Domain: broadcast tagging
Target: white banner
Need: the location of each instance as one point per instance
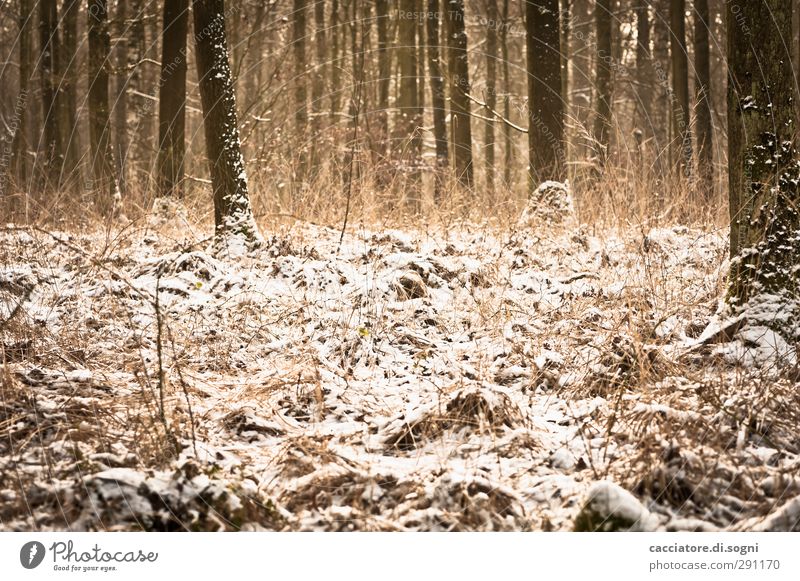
(400, 556)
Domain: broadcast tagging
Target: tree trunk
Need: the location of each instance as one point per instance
(762, 164)
(407, 123)
(458, 65)
(336, 65)
(705, 134)
(99, 118)
(644, 70)
(172, 98)
(661, 67)
(233, 216)
(545, 102)
(566, 24)
(384, 74)
(603, 79)
(437, 96)
(318, 82)
(68, 54)
(491, 93)
(508, 143)
(20, 140)
(122, 75)
(300, 105)
(53, 159)
(680, 88)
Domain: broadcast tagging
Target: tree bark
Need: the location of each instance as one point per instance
(545, 102)
(68, 123)
(51, 146)
(299, 82)
(172, 98)
(603, 79)
(762, 163)
(99, 115)
(490, 99)
(458, 65)
(384, 74)
(705, 133)
(19, 145)
(437, 96)
(233, 216)
(406, 140)
(508, 143)
(644, 70)
(318, 82)
(680, 88)
(120, 108)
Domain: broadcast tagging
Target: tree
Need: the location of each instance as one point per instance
(407, 140)
(172, 98)
(437, 95)
(508, 144)
(603, 78)
(300, 105)
(120, 108)
(492, 17)
(318, 82)
(19, 142)
(545, 101)
(705, 135)
(644, 69)
(99, 117)
(458, 65)
(762, 163)
(680, 87)
(384, 73)
(48, 61)
(68, 111)
(233, 216)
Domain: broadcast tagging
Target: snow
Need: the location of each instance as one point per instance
(471, 379)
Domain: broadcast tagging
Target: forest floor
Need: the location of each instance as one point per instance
(477, 378)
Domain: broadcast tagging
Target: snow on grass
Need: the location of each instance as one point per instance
(474, 379)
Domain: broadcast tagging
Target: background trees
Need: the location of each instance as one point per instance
(618, 92)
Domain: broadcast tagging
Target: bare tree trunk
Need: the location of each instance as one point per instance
(318, 82)
(99, 116)
(172, 98)
(644, 69)
(545, 102)
(122, 143)
(19, 146)
(406, 124)
(680, 87)
(437, 96)
(53, 161)
(661, 66)
(384, 74)
(762, 165)
(458, 65)
(300, 104)
(491, 94)
(232, 213)
(68, 124)
(508, 143)
(336, 59)
(603, 79)
(705, 133)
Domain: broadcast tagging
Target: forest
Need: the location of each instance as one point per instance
(409, 265)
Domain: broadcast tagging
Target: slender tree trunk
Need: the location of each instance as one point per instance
(300, 78)
(232, 212)
(68, 124)
(546, 104)
(99, 116)
(172, 98)
(458, 64)
(603, 82)
(491, 94)
(705, 133)
(318, 81)
(122, 76)
(661, 66)
(508, 143)
(384, 74)
(762, 165)
(644, 69)
(53, 161)
(680, 87)
(566, 28)
(406, 123)
(336, 59)
(20, 140)
(437, 96)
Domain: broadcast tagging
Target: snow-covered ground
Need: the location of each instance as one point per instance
(470, 379)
